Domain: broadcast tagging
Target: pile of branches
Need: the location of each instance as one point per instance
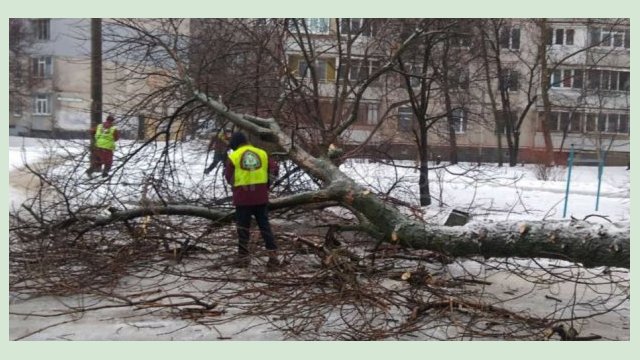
(335, 285)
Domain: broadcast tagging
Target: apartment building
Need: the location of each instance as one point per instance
(586, 62)
(52, 78)
(497, 89)
(50, 85)
(590, 86)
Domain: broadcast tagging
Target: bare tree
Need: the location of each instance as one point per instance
(96, 233)
(20, 40)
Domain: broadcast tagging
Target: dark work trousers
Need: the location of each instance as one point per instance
(243, 223)
(100, 157)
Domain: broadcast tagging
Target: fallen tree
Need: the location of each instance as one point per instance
(577, 241)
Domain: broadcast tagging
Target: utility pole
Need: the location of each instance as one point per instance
(96, 72)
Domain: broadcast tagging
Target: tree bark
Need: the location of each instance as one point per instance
(423, 185)
(575, 241)
(545, 85)
(96, 72)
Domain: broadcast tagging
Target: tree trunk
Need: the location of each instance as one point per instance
(96, 72)
(513, 153)
(576, 241)
(425, 194)
(453, 148)
(544, 92)
(500, 150)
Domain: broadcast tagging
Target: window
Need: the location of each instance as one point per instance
(624, 81)
(42, 105)
(501, 122)
(555, 121)
(567, 78)
(606, 37)
(367, 113)
(510, 38)
(575, 123)
(561, 121)
(590, 125)
(509, 80)
(615, 123)
(623, 124)
(611, 123)
(415, 71)
(459, 122)
(372, 113)
(569, 37)
(560, 36)
(325, 68)
(42, 67)
(459, 79)
(364, 27)
(42, 29)
(578, 80)
(461, 37)
(608, 80)
(359, 69)
(594, 79)
(317, 25)
(405, 118)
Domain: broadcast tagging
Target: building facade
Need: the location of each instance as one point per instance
(484, 86)
(505, 76)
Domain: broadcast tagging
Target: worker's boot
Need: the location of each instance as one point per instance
(273, 263)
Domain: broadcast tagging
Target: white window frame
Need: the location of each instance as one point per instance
(42, 29)
(563, 41)
(604, 77)
(43, 66)
(505, 79)
(602, 122)
(511, 29)
(318, 25)
(619, 117)
(566, 74)
(405, 115)
(372, 113)
(42, 104)
(556, 121)
(320, 66)
(459, 121)
(356, 66)
(604, 32)
(371, 31)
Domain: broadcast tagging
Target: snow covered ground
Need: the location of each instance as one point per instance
(487, 192)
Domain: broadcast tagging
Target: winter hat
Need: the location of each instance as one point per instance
(237, 139)
(110, 118)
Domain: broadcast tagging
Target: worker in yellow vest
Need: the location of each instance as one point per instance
(249, 170)
(104, 136)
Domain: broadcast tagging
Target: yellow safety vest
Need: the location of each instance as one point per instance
(251, 166)
(105, 137)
